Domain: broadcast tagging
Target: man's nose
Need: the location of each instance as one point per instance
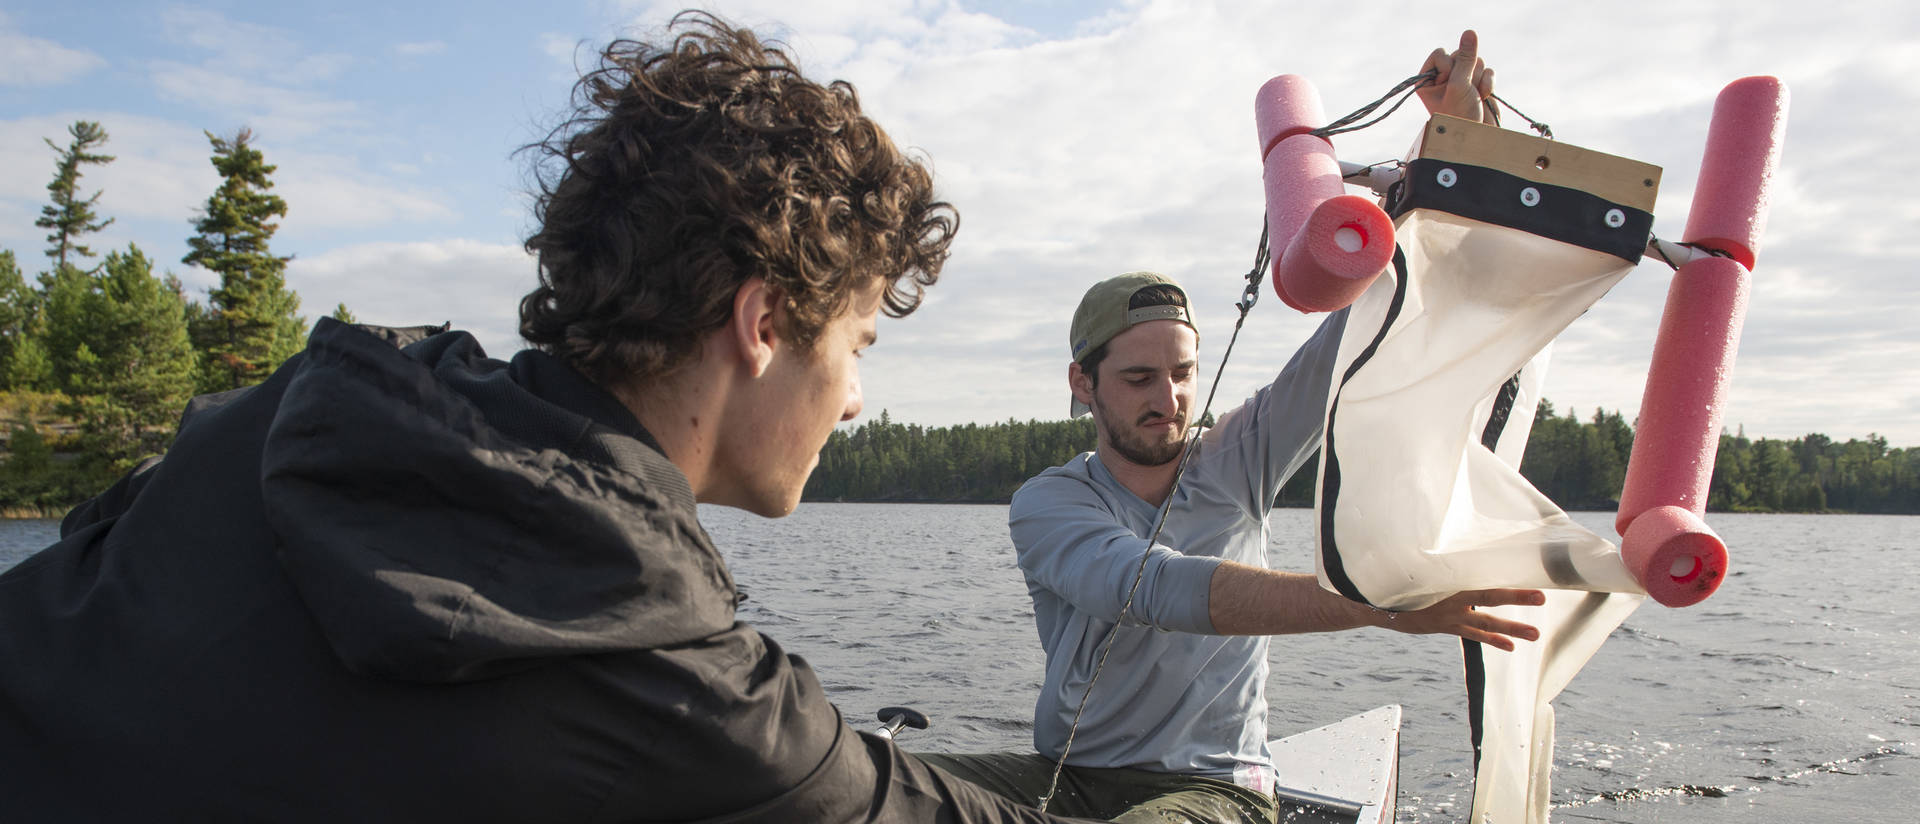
(1166, 398)
(854, 401)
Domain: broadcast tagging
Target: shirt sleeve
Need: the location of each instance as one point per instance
(1069, 543)
(1257, 446)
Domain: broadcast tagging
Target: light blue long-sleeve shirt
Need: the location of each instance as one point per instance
(1174, 696)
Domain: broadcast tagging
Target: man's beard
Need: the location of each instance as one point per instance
(1128, 442)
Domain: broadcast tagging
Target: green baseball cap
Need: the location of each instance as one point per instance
(1104, 313)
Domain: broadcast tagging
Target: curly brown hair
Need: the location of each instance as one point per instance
(683, 171)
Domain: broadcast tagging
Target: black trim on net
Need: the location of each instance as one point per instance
(1330, 457)
(1491, 196)
(1502, 410)
(1476, 672)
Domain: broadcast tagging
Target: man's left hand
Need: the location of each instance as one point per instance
(1464, 87)
(1457, 616)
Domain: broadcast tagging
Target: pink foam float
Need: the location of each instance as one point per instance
(1327, 246)
(1665, 543)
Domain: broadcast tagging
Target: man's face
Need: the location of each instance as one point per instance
(1144, 400)
(804, 394)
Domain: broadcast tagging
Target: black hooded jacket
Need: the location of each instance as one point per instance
(416, 584)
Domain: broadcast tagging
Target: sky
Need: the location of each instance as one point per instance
(1076, 139)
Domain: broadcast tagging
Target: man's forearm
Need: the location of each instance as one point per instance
(1246, 600)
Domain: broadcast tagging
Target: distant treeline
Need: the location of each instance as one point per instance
(1580, 464)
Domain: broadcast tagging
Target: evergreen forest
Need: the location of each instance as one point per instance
(99, 353)
(1580, 464)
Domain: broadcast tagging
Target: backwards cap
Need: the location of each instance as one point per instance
(1104, 313)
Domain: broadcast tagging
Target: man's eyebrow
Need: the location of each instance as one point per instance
(1143, 369)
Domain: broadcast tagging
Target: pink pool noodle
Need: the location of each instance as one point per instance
(1678, 433)
(1327, 246)
(1286, 106)
(1663, 541)
(1674, 555)
(1743, 149)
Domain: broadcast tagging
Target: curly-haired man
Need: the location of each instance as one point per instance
(401, 581)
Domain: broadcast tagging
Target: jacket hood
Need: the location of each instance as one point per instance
(448, 517)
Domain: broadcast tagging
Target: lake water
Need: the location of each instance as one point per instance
(1790, 695)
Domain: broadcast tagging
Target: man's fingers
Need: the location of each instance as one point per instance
(1499, 642)
(1469, 48)
(1490, 629)
(1461, 81)
(1439, 62)
(1485, 84)
(1524, 632)
(1507, 597)
(1466, 61)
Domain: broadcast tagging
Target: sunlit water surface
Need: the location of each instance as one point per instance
(1788, 696)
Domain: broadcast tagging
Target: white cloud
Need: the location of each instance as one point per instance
(1130, 145)
(875, 16)
(160, 169)
(273, 110)
(325, 190)
(249, 48)
(476, 286)
(870, 39)
(161, 177)
(33, 61)
(259, 75)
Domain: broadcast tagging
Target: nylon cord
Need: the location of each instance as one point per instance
(1408, 88)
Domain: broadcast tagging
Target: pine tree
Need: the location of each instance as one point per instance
(344, 315)
(118, 341)
(254, 321)
(19, 324)
(69, 216)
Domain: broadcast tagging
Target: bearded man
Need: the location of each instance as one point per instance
(1176, 728)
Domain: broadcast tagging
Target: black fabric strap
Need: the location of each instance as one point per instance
(1555, 212)
(1502, 410)
(1475, 667)
(1330, 457)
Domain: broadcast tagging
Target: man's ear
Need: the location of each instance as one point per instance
(751, 329)
(1080, 382)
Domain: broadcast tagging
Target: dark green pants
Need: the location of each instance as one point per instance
(1113, 794)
